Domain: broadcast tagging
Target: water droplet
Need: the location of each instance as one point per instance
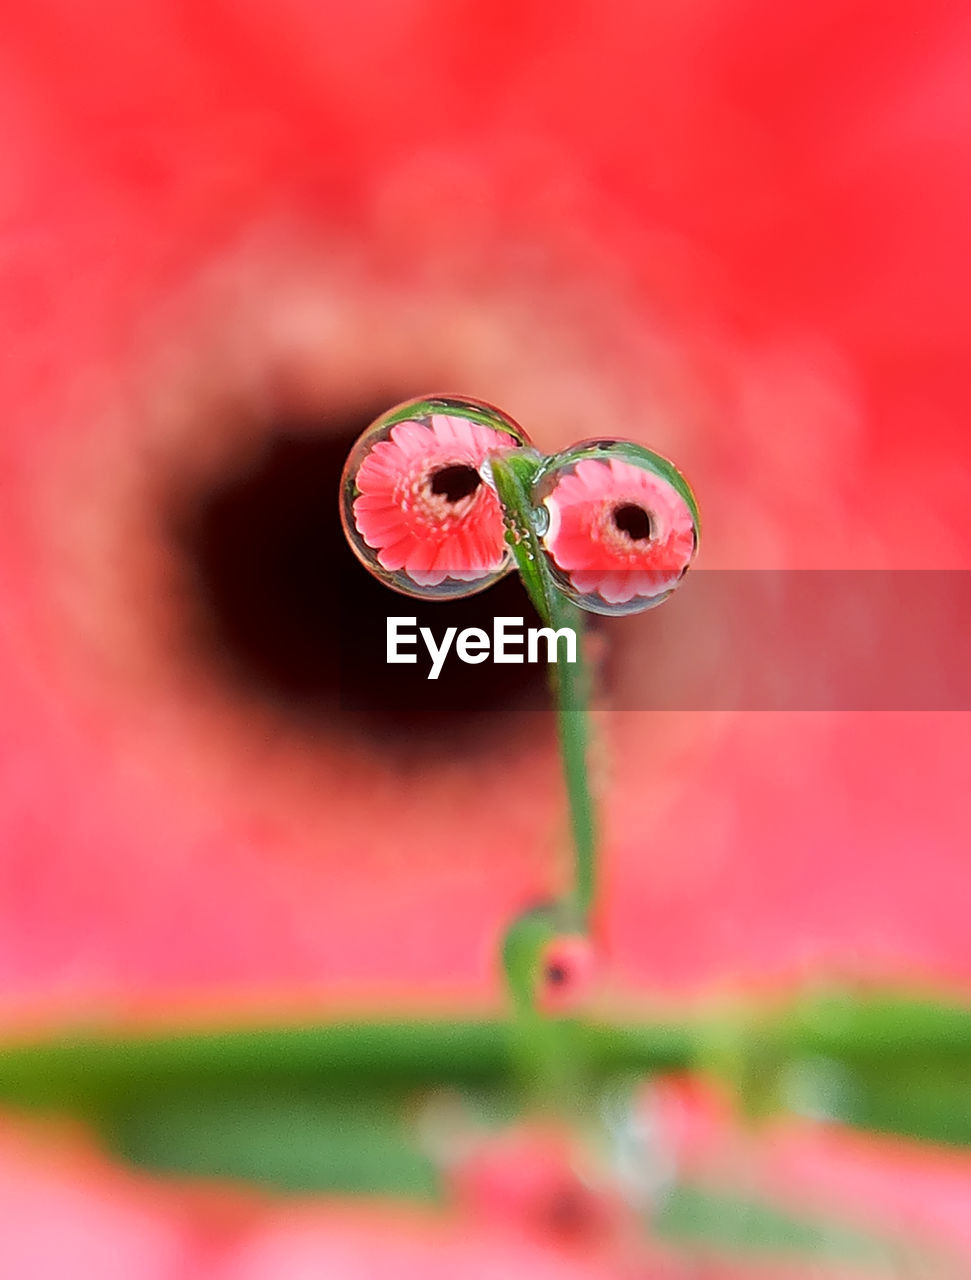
(541, 520)
(621, 525)
(417, 501)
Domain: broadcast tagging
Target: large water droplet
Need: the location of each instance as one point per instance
(417, 502)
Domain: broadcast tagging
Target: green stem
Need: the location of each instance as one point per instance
(514, 475)
(570, 692)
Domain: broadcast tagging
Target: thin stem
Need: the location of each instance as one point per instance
(513, 476)
(570, 687)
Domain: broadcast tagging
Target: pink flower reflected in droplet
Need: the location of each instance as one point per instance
(423, 506)
(619, 531)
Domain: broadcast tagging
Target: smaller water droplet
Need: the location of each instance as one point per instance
(620, 525)
(541, 519)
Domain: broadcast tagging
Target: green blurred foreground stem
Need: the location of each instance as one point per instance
(904, 1061)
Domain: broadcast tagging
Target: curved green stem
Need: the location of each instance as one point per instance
(570, 695)
(513, 475)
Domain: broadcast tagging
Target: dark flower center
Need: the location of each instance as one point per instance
(455, 482)
(634, 521)
(282, 607)
(556, 974)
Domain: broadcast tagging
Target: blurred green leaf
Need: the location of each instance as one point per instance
(878, 1061)
(929, 1099)
(85, 1070)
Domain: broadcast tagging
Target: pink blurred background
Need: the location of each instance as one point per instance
(738, 232)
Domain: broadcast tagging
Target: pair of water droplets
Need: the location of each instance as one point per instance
(616, 523)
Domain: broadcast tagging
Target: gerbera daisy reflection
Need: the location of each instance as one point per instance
(424, 518)
(622, 529)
